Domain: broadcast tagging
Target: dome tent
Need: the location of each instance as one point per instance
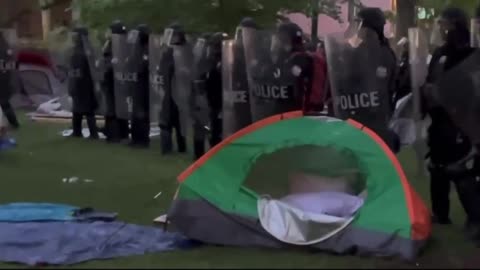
(218, 200)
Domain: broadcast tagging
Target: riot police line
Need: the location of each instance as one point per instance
(208, 88)
(204, 89)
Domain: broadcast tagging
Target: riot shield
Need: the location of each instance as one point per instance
(359, 80)
(138, 68)
(121, 76)
(157, 93)
(93, 56)
(181, 91)
(272, 84)
(236, 102)
(458, 91)
(60, 51)
(8, 43)
(418, 58)
(475, 33)
(198, 100)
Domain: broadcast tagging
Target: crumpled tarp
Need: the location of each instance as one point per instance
(28, 212)
(67, 243)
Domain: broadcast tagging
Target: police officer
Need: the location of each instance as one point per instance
(214, 86)
(6, 78)
(111, 129)
(170, 115)
(140, 93)
(451, 154)
(81, 86)
(374, 19)
(199, 102)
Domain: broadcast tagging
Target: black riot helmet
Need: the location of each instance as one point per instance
(373, 19)
(453, 25)
(214, 45)
(199, 50)
(246, 22)
(78, 34)
(144, 33)
(175, 34)
(287, 39)
(118, 27)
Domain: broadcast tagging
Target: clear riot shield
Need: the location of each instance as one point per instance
(8, 75)
(93, 55)
(182, 85)
(475, 33)
(270, 77)
(60, 51)
(157, 93)
(458, 91)
(199, 101)
(359, 80)
(138, 82)
(418, 58)
(121, 76)
(236, 102)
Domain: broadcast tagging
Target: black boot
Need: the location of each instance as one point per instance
(77, 125)
(440, 193)
(181, 144)
(10, 115)
(92, 127)
(198, 149)
(123, 129)
(166, 143)
(216, 132)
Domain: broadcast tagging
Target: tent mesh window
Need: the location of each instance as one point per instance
(35, 83)
(306, 169)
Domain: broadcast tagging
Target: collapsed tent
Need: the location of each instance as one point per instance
(39, 80)
(332, 185)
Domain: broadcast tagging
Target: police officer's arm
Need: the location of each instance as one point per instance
(426, 88)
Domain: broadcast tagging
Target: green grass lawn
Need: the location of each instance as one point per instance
(126, 180)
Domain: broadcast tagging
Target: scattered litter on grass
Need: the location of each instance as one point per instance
(72, 180)
(154, 132)
(158, 195)
(85, 133)
(163, 219)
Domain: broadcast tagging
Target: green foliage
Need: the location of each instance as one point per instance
(434, 7)
(195, 15)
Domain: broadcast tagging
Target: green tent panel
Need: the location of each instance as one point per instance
(228, 195)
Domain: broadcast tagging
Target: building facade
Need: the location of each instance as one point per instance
(26, 16)
(327, 25)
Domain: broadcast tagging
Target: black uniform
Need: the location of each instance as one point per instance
(6, 81)
(140, 92)
(198, 98)
(214, 87)
(301, 59)
(450, 151)
(115, 129)
(170, 115)
(81, 87)
(374, 19)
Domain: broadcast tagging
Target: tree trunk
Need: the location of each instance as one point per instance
(406, 13)
(351, 10)
(46, 23)
(314, 16)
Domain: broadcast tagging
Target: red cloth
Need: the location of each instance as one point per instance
(34, 58)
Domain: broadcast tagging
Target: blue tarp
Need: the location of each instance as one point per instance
(7, 144)
(66, 243)
(27, 212)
